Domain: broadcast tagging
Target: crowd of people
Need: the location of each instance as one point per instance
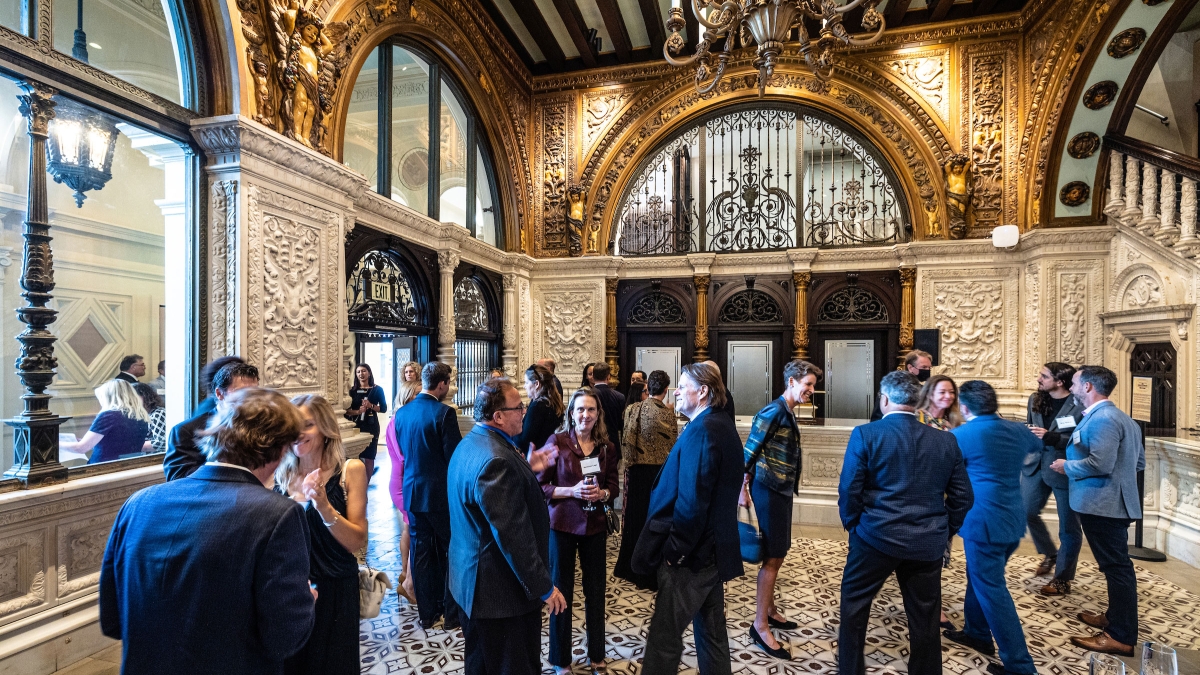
(247, 559)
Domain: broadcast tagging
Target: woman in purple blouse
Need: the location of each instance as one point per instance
(582, 438)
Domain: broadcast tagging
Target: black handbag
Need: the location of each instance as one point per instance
(612, 520)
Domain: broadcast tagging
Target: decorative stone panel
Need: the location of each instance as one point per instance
(977, 312)
(22, 571)
(1073, 310)
(569, 324)
(80, 551)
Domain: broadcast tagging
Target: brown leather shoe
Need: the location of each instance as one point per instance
(1103, 643)
(1046, 566)
(1094, 619)
(1057, 587)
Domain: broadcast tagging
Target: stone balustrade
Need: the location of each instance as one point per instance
(1153, 193)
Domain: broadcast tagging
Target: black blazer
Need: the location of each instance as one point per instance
(183, 454)
(695, 496)
(127, 377)
(539, 425)
(613, 404)
(208, 574)
(427, 433)
(1054, 443)
(499, 529)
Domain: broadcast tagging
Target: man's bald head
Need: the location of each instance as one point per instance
(712, 364)
(548, 364)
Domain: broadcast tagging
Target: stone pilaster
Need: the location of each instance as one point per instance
(447, 263)
(908, 309)
(508, 354)
(701, 282)
(801, 282)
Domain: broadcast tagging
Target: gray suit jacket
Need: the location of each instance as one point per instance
(1103, 464)
(1039, 463)
(499, 529)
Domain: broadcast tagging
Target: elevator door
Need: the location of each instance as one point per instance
(666, 359)
(849, 379)
(749, 374)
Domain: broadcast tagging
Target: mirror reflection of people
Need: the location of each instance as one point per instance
(367, 400)
(122, 427)
(160, 383)
(220, 378)
(132, 368)
(158, 416)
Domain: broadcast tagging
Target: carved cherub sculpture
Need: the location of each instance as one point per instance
(957, 172)
(307, 46)
(575, 198)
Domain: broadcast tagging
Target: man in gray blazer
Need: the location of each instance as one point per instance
(1052, 416)
(499, 541)
(1103, 458)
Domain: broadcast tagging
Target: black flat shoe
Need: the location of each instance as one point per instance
(961, 637)
(781, 653)
(947, 625)
(786, 624)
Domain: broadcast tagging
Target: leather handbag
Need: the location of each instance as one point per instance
(750, 541)
(372, 586)
(612, 520)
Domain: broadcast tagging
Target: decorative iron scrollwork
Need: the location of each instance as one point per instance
(470, 308)
(853, 305)
(656, 308)
(751, 306)
(379, 292)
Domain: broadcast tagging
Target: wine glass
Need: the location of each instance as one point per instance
(1105, 664)
(1158, 659)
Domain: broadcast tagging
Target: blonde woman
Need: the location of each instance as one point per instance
(334, 491)
(120, 429)
(408, 391)
(411, 372)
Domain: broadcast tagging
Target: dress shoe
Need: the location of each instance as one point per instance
(785, 624)
(780, 653)
(1056, 587)
(1094, 619)
(1103, 643)
(947, 624)
(1046, 566)
(984, 647)
(997, 669)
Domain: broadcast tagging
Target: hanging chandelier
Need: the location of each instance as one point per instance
(81, 147)
(769, 24)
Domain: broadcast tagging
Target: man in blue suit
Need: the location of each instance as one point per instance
(903, 492)
(1103, 459)
(209, 573)
(691, 533)
(427, 433)
(994, 451)
(500, 547)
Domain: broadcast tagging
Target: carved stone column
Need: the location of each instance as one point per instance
(35, 430)
(1167, 231)
(1116, 184)
(1133, 190)
(701, 346)
(508, 357)
(447, 263)
(1188, 243)
(801, 281)
(1149, 220)
(908, 310)
(610, 325)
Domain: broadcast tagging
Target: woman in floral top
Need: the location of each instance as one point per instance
(937, 405)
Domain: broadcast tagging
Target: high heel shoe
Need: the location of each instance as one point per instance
(779, 653)
(782, 624)
(403, 592)
(599, 668)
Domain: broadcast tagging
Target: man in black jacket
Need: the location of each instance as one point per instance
(612, 402)
(219, 378)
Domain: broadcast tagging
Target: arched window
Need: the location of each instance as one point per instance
(655, 308)
(475, 346)
(750, 306)
(379, 293)
(761, 178)
(853, 304)
(451, 180)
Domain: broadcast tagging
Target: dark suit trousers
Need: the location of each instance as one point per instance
(920, 582)
(508, 646)
(430, 531)
(686, 596)
(1036, 493)
(1109, 541)
(592, 559)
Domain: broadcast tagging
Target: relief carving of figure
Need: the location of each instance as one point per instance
(575, 199)
(304, 102)
(958, 193)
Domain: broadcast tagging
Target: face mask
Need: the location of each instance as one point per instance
(922, 375)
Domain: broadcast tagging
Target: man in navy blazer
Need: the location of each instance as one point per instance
(209, 574)
(903, 492)
(219, 378)
(994, 451)
(500, 543)
(1103, 459)
(612, 403)
(427, 433)
(691, 532)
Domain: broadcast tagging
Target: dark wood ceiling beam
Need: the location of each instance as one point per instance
(693, 26)
(505, 29)
(652, 15)
(535, 23)
(939, 10)
(615, 23)
(896, 11)
(573, 19)
(981, 7)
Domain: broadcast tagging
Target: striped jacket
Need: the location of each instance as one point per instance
(772, 453)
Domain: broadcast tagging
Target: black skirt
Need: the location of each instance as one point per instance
(774, 512)
(332, 647)
(639, 480)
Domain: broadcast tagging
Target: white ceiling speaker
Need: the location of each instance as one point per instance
(1006, 236)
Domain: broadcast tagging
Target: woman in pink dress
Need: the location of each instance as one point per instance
(407, 391)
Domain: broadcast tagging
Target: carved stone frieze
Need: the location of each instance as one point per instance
(81, 550)
(1143, 291)
(822, 470)
(599, 109)
(990, 112)
(568, 324)
(1032, 302)
(926, 74)
(1073, 305)
(22, 571)
(977, 312)
(525, 302)
(554, 135)
(223, 260)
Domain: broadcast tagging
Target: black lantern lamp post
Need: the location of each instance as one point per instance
(35, 430)
(79, 49)
(82, 142)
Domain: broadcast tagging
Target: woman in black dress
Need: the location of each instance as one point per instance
(545, 413)
(366, 402)
(333, 490)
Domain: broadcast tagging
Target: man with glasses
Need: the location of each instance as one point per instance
(500, 542)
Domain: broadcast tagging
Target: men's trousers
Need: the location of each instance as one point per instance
(430, 532)
(989, 607)
(683, 596)
(508, 646)
(1070, 534)
(594, 575)
(867, 568)
(1109, 541)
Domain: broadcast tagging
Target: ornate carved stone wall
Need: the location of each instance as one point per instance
(978, 312)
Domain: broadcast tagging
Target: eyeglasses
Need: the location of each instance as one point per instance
(520, 407)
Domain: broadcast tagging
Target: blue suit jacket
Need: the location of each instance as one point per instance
(183, 454)
(697, 492)
(904, 489)
(994, 451)
(1103, 465)
(427, 433)
(207, 574)
(499, 529)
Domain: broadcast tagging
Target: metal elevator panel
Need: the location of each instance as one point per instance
(849, 379)
(749, 374)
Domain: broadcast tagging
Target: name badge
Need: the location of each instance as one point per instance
(1075, 438)
(590, 465)
(1067, 422)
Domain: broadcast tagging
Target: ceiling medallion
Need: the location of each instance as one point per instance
(768, 24)
(1074, 193)
(1083, 145)
(1126, 42)
(1100, 94)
